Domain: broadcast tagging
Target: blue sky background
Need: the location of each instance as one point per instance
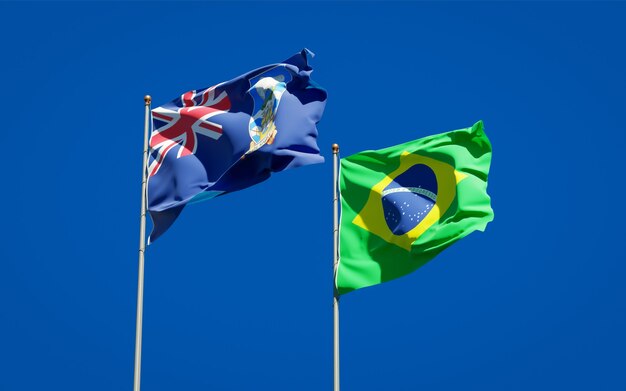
(238, 293)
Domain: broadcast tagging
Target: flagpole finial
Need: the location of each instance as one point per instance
(147, 99)
(335, 148)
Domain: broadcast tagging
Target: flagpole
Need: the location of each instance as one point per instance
(142, 248)
(335, 263)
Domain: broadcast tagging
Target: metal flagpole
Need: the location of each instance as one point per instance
(142, 248)
(335, 262)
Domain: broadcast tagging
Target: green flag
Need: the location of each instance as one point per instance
(403, 205)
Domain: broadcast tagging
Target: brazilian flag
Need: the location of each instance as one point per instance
(403, 205)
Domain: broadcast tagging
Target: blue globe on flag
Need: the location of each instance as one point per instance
(409, 198)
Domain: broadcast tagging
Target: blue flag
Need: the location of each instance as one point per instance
(225, 138)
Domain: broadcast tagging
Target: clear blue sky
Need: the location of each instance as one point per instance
(239, 291)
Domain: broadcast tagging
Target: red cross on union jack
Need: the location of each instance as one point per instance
(184, 124)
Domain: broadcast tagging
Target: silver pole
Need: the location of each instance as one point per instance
(142, 248)
(335, 262)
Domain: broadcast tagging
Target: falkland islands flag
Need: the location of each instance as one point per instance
(230, 136)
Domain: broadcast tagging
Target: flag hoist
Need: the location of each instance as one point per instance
(335, 263)
(142, 246)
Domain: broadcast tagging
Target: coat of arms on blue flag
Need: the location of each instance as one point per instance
(225, 138)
